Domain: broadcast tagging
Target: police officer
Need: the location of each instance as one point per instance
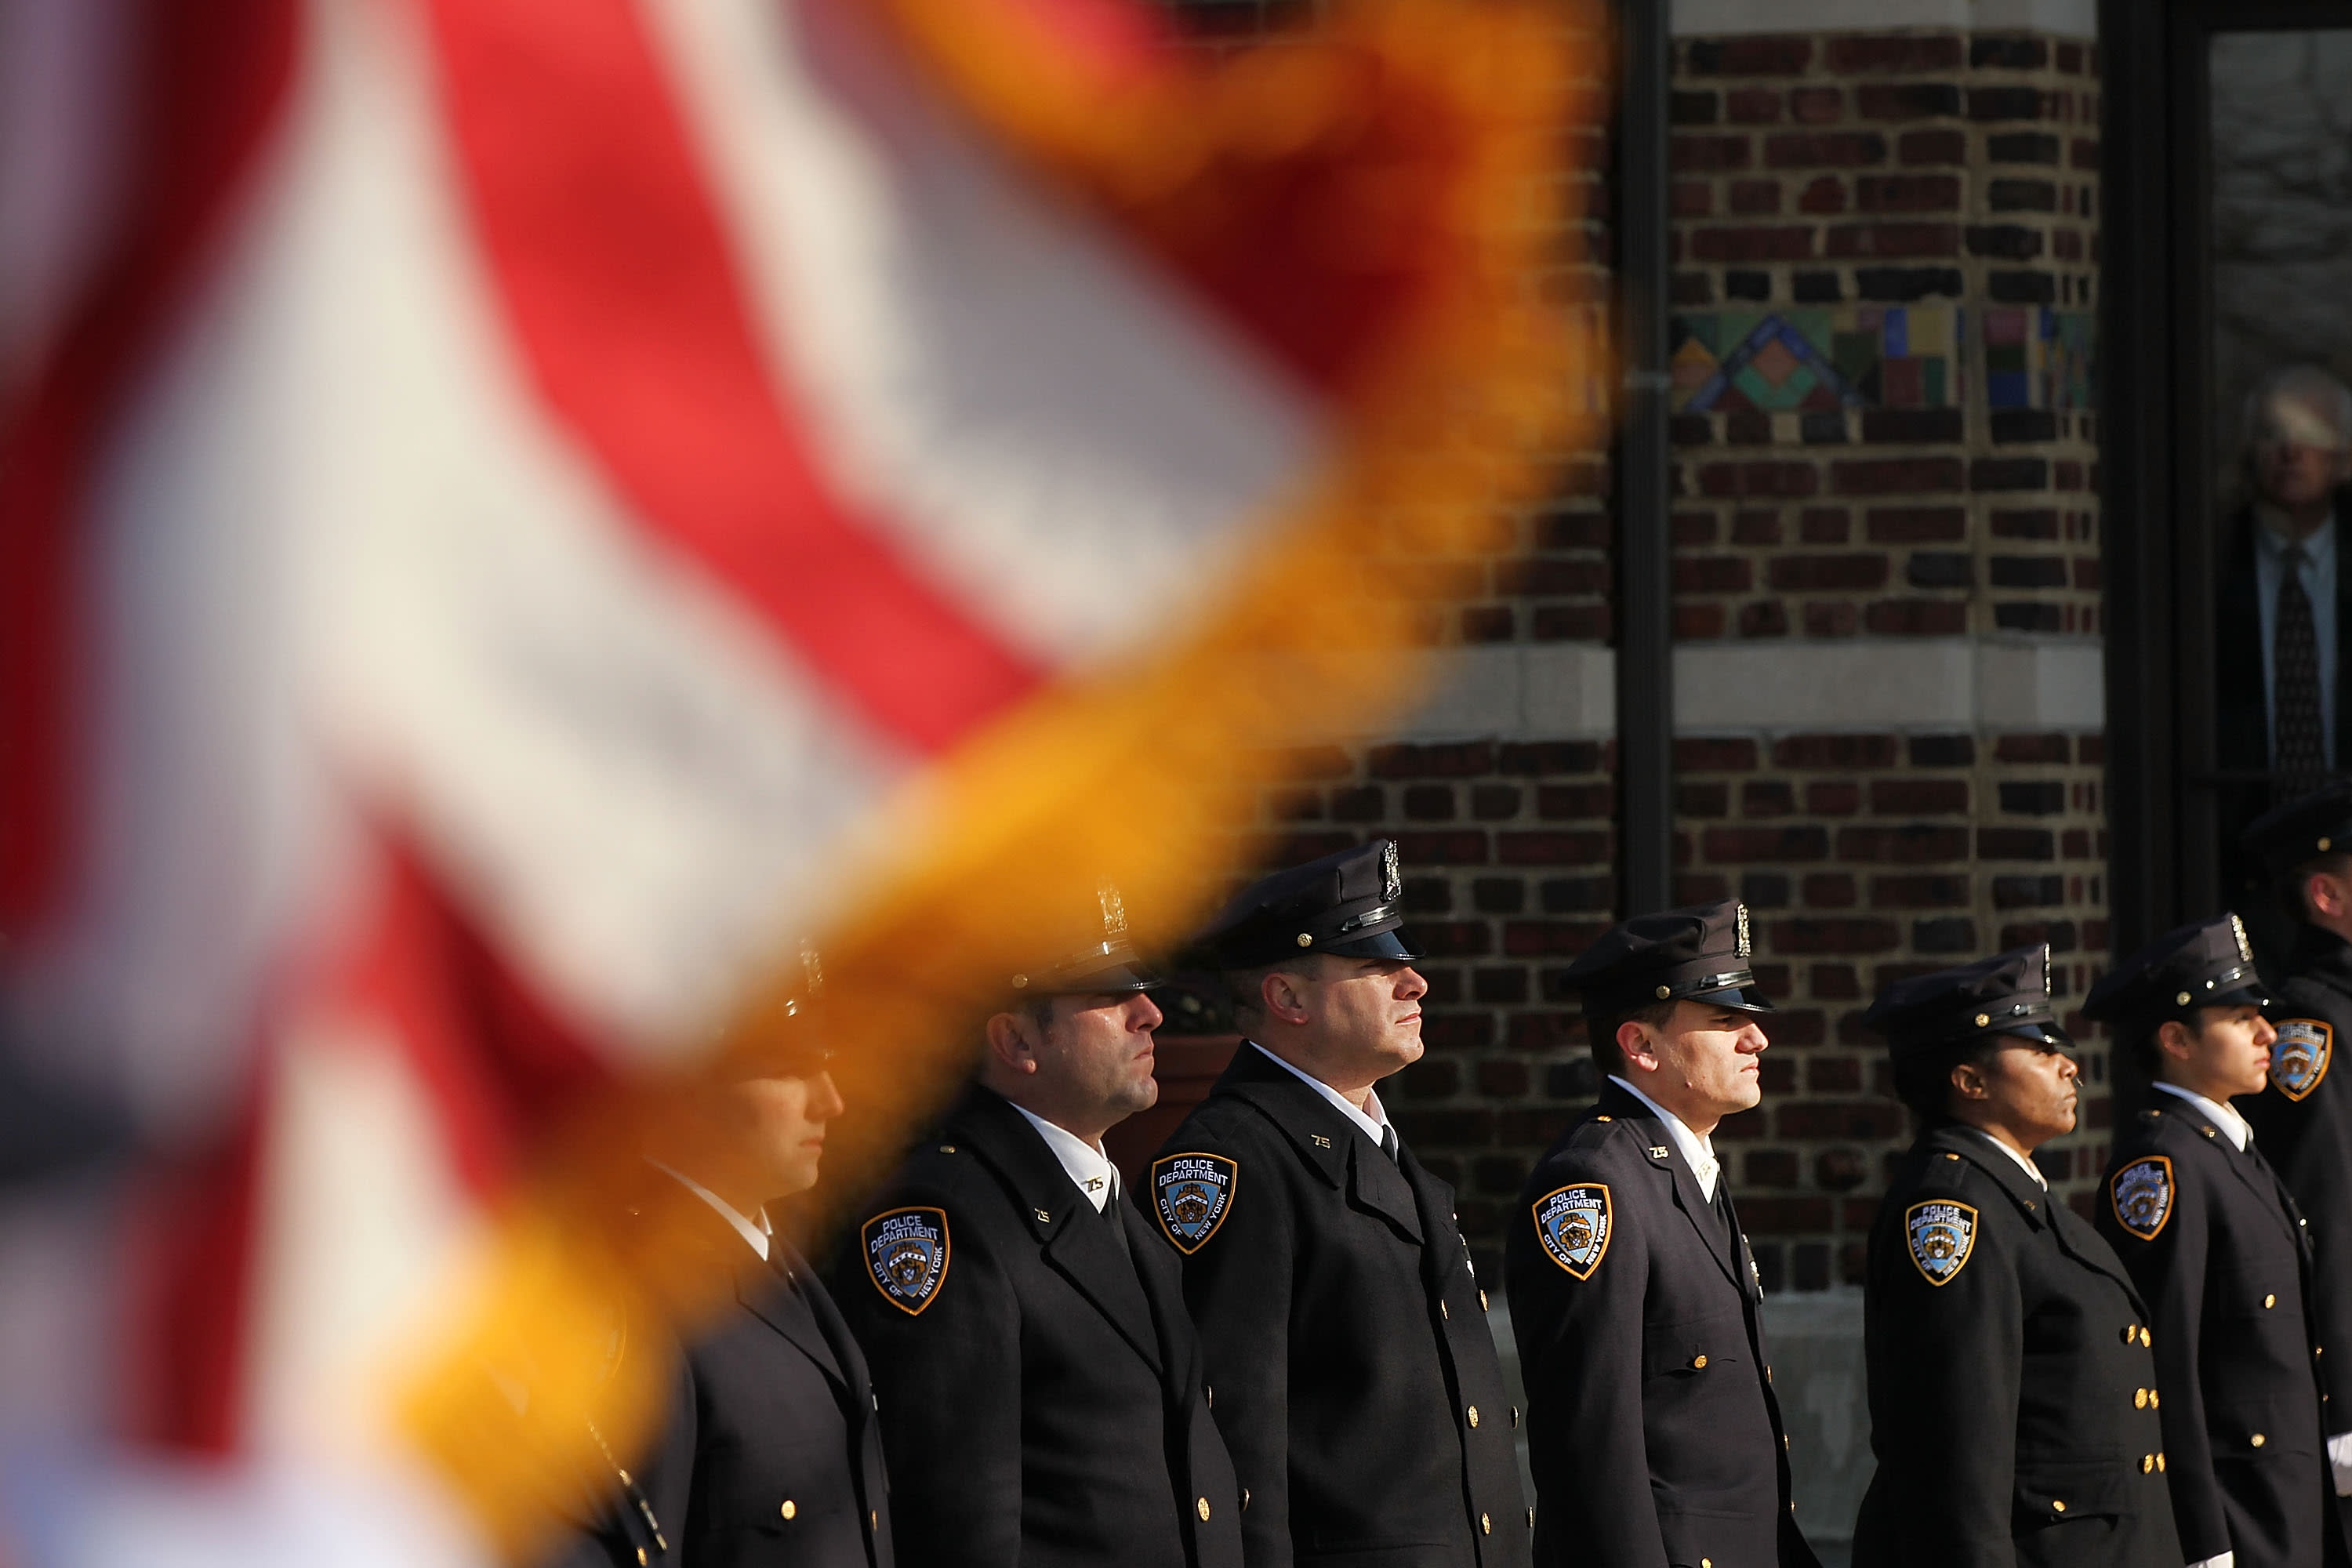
(770, 1448)
(1653, 1428)
(2305, 1119)
(2007, 1347)
(2220, 1255)
(1347, 1337)
(1040, 1382)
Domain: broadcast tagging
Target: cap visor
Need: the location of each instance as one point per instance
(2244, 996)
(2048, 1035)
(1395, 942)
(1743, 998)
(1099, 981)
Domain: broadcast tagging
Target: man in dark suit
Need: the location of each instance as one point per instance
(2221, 1255)
(1346, 1334)
(2305, 1118)
(1653, 1428)
(2007, 1347)
(768, 1449)
(2283, 620)
(1041, 1385)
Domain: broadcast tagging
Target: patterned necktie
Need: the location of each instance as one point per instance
(2294, 663)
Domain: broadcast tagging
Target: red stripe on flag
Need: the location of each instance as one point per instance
(204, 90)
(618, 283)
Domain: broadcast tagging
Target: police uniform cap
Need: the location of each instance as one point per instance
(2008, 994)
(788, 1039)
(1699, 954)
(2207, 964)
(2303, 829)
(1100, 959)
(1350, 903)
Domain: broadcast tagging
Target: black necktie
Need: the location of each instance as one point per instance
(2298, 747)
(1389, 1142)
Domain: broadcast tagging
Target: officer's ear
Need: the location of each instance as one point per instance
(2326, 892)
(1970, 1081)
(1282, 997)
(1013, 1041)
(1637, 1044)
(2173, 1039)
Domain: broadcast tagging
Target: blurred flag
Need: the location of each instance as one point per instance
(512, 511)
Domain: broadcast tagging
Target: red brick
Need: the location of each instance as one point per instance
(1824, 524)
(1710, 155)
(1699, 623)
(1761, 243)
(1767, 797)
(1859, 1121)
(2087, 573)
(1918, 797)
(1755, 198)
(1797, 1027)
(1571, 623)
(1907, 193)
(1920, 890)
(1693, 198)
(1834, 934)
(1895, 476)
(1823, 196)
(1834, 981)
(1548, 576)
(2033, 749)
(1548, 939)
(1917, 148)
(1698, 756)
(1841, 754)
(1820, 573)
(1700, 888)
(1915, 524)
(1821, 149)
(1816, 105)
(1459, 759)
(1894, 240)
(2070, 59)
(1736, 845)
(1917, 617)
(2083, 153)
(1461, 847)
(1763, 618)
(1752, 106)
(1785, 1217)
(1833, 798)
(1761, 55)
(1567, 803)
(1761, 478)
(1712, 574)
(1912, 843)
(1855, 54)
(1836, 1075)
(1752, 527)
(1551, 848)
(1829, 891)
(1833, 618)
(2015, 844)
(1906, 100)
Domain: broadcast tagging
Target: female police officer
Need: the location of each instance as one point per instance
(2008, 1350)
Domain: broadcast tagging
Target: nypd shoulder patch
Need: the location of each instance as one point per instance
(2142, 1195)
(1574, 1226)
(2299, 1060)
(907, 1256)
(1191, 1194)
(1942, 1235)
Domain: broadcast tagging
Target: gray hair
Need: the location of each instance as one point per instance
(2309, 385)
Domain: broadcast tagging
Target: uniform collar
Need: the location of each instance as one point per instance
(2028, 1166)
(1371, 1121)
(2232, 1125)
(753, 1228)
(1697, 1149)
(1096, 1177)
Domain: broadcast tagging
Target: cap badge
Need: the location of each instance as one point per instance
(2299, 1060)
(1114, 911)
(1021, 983)
(2245, 948)
(1391, 882)
(812, 969)
(1192, 1195)
(1942, 1233)
(1743, 931)
(1574, 1224)
(907, 1256)
(2045, 970)
(2142, 1194)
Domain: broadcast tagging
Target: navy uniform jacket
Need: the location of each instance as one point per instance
(2218, 1253)
(2303, 1123)
(2008, 1404)
(1345, 1335)
(1652, 1428)
(1041, 1389)
(770, 1450)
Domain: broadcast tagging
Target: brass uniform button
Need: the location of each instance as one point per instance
(2269, 1301)
(2146, 1463)
(947, 1148)
(791, 1509)
(2139, 1399)
(2159, 1464)
(2154, 1399)
(873, 1519)
(1473, 1415)
(1706, 1562)
(1202, 1507)
(2131, 1332)
(1485, 1525)
(2056, 1506)
(2145, 1339)
(1443, 1313)
(1482, 1301)
(1699, 1364)
(1604, 1118)
(641, 1557)
(2258, 1440)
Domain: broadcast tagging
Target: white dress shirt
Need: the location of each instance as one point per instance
(1372, 1117)
(2318, 579)
(2232, 1125)
(2028, 1166)
(1698, 1149)
(755, 1229)
(1090, 1169)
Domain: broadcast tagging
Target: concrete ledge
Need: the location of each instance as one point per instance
(1723, 18)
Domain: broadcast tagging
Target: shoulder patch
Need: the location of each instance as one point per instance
(2141, 1192)
(1574, 1226)
(1191, 1194)
(907, 1256)
(1942, 1235)
(2299, 1060)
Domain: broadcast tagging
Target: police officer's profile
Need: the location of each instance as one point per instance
(1654, 1431)
(2007, 1347)
(2304, 1120)
(1346, 1334)
(768, 1448)
(2279, 647)
(1041, 1385)
(2220, 1254)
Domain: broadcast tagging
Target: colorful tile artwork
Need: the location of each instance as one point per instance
(2036, 357)
(1817, 359)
